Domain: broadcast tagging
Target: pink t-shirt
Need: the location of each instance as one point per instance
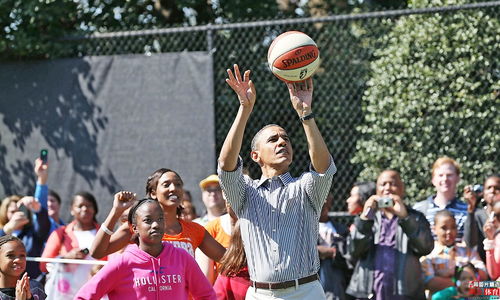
(136, 274)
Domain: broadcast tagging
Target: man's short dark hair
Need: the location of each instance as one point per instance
(258, 134)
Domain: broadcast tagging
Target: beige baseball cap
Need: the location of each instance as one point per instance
(210, 179)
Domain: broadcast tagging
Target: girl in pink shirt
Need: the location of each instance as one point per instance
(151, 270)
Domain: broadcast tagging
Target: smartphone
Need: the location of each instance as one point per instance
(44, 155)
(22, 208)
(85, 251)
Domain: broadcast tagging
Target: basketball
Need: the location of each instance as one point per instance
(293, 56)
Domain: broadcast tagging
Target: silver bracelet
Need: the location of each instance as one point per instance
(106, 230)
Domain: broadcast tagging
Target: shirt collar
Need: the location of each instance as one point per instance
(452, 203)
(285, 178)
(440, 248)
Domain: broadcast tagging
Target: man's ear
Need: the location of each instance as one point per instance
(255, 156)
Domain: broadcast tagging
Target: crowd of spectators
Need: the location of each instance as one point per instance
(266, 238)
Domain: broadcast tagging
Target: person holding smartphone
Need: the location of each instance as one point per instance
(71, 241)
(49, 199)
(25, 218)
(477, 217)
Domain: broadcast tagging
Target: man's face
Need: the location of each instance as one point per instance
(491, 188)
(273, 148)
(389, 183)
(445, 179)
(212, 196)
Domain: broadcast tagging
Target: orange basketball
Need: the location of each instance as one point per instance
(293, 56)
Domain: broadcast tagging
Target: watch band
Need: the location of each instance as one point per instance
(307, 117)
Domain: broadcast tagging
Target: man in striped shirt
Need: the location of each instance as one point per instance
(278, 214)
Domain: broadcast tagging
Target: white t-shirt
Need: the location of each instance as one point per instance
(85, 238)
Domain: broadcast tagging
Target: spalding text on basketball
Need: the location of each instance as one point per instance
(292, 61)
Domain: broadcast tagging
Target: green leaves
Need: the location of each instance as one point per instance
(433, 92)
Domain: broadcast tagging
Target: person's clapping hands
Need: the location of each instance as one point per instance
(489, 229)
(470, 197)
(23, 291)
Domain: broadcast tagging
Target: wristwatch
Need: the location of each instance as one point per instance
(307, 117)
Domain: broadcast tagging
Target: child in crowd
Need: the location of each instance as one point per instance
(150, 270)
(439, 265)
(492, 242)
(461, 289)
(188, 212)
(27, 219)
(12, 265)
(234, 280)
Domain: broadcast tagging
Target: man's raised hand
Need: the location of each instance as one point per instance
(301, 96)
(242, 86)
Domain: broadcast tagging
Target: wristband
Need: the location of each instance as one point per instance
(488, 244)
(106, 230)
(307, 117)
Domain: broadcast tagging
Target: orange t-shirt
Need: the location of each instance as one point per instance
(215, 229)
(189, 238)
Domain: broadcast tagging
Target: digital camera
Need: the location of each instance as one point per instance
(477, 189)
(385, 202)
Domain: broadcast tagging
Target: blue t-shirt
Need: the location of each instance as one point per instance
(456, 207)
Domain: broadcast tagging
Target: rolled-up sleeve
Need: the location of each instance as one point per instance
(318, 185)
(234, 186)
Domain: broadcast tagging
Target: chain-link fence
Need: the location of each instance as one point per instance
(348, 45)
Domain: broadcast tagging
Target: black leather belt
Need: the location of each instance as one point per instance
(284, 284)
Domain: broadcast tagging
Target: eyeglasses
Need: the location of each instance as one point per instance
(212, 190)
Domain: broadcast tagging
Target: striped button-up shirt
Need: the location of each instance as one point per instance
(279, 219)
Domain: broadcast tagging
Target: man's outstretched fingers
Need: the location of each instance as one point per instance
(237, 73)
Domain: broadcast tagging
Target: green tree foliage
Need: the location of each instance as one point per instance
(28, 26)
(435, 72)
(37, 28)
